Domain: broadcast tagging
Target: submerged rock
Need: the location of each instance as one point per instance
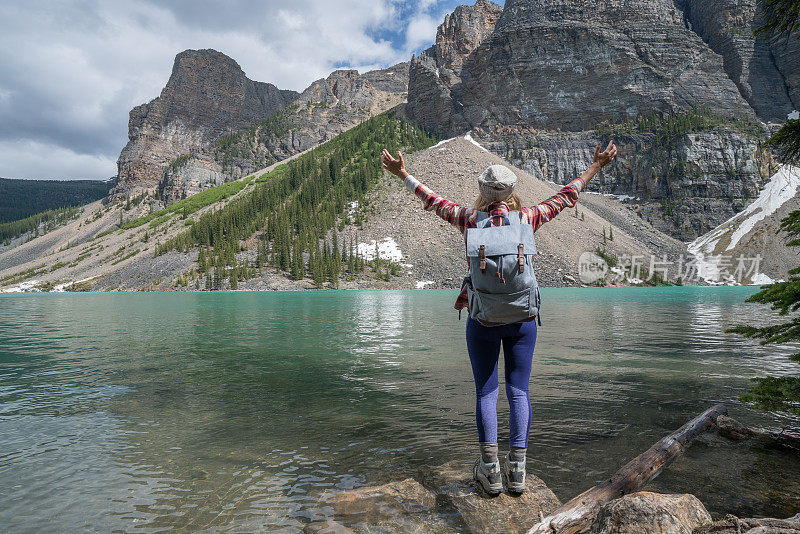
(735, 525)
(443, 500)
(650, 513)
(404, 506)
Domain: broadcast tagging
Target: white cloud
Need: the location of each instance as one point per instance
(70, 72)
(421, 30)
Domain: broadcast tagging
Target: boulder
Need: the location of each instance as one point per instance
(404, 506)
(459, 495)
(446, 499)
(329, 526)
(645, 512)
(766, 525)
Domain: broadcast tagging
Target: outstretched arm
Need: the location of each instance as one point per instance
(568, 196)
(451, 212)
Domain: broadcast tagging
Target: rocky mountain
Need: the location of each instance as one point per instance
(570, 65)
(229, 125)
(207, 96)
(684, 182)
(538, 82)
(119, 246)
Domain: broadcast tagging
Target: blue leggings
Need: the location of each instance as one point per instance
(483, 345)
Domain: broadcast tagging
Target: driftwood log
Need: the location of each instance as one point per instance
(577, 514)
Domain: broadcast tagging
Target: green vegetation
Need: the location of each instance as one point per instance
(669, 127)
(176, 164)
(23, 275)
(610, 259)
(781, 17)
(190, 205)
(20, 199)
(787, 141)
(301, 202)
(39, 223)
(77, 287)
(242, 145)
(778, 393)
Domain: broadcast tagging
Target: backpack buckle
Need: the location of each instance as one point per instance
(521, 258)
(482, 255)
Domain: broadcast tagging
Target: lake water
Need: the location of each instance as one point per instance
(234, 411)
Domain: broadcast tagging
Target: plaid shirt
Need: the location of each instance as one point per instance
(463, 218)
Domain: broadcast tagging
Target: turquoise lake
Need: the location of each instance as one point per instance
(234, 411)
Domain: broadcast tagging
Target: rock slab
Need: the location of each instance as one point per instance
(645, 512)
(445, 499)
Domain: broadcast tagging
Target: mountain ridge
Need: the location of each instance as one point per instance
(208, 97)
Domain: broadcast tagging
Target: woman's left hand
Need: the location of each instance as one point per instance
(604, 158)
(394, 166)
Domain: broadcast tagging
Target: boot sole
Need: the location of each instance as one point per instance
(483, 482)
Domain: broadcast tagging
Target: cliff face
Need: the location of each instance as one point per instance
(520, 76)
(325, 109)
(208, 100)
(569, 64)
(755, 65)
(684, 189)
(435, 82)
(206, 96)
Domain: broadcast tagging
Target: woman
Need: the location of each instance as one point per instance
(497, 198)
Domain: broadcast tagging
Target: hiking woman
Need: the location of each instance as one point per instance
(498, 205)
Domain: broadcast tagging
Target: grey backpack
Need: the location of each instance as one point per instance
(501, 285)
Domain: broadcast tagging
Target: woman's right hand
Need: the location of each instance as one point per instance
(394, 166)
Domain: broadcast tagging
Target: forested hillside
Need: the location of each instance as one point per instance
(300, 202)
(22, 198)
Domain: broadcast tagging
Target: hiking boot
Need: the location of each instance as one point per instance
(488, 476)
(515, 475)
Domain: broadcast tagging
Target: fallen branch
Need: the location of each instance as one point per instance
(578, 514)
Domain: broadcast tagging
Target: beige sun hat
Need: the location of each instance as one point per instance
(497, 183)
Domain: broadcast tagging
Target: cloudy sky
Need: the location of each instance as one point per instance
(71, 71)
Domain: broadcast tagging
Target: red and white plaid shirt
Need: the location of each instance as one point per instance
(463, 218)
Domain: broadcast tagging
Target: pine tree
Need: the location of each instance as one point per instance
(781, 17)
(234, 279)
(201, 261)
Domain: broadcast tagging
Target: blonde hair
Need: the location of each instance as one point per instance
(514, 203)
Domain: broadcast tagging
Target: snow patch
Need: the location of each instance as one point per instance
(783, 186)
(422, 283)
(387, 250)
(621, 198)
(469, 138)
(440, 143)
(61, 288)
(437, 72)
(761, 279)
(22, 287)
